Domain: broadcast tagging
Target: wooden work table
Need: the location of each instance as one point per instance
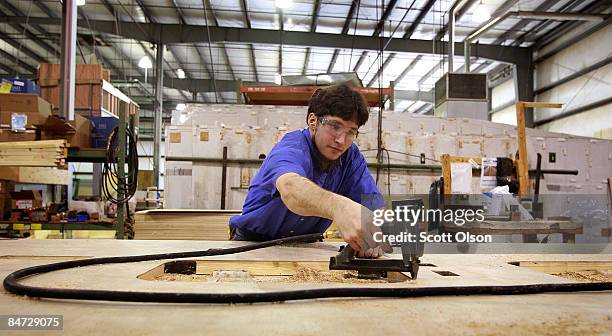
(568, 229)
(554, 313)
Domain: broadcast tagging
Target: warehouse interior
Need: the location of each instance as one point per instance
(135, 136)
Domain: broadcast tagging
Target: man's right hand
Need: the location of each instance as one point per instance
(356, 227)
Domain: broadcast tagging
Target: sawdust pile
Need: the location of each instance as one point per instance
(306, 274)
(587, 276)
(567, 325)
(302, 274)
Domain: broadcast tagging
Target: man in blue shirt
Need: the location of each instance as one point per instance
(315, 176)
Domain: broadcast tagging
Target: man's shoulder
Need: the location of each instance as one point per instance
(292, 140)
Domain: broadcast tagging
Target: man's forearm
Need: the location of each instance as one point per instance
(303, 197)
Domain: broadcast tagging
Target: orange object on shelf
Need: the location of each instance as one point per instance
(299, 95)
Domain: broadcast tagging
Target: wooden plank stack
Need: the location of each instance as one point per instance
(183, 224)
(43, 153)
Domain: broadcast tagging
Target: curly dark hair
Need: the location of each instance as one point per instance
(339, 101)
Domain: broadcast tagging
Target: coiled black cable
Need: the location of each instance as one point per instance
(12, 285)
(117, 189)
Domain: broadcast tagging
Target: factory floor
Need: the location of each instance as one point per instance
(539, 314)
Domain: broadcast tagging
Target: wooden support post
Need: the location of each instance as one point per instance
(446, 174)
(522, 167)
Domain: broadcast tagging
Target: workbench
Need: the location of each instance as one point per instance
(552, 313)
(567, 228)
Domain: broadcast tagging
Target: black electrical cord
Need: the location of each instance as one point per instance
(112, 185)
(12, 285)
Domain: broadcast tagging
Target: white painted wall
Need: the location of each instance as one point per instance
(503, 94)
(587, 89)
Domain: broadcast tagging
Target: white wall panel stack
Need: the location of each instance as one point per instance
(261, 127)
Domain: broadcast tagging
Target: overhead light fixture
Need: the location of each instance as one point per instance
(284, 4)
(180, 106)
(481, 13)
(180, 73)
(278, 79)
(78, 2)
(145, 62)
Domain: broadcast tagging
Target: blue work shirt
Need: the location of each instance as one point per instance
(264, 212)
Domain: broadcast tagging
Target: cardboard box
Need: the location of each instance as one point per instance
(77, 131)
(6, 135)
(26, 199)
(23, 85)
(35, 108)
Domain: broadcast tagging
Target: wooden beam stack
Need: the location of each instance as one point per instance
(43, 153)
(183, 224)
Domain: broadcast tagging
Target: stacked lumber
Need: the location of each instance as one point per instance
(43, 153)
(166, 224)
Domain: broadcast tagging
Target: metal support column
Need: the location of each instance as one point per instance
(121, 208)
(523, 88)
(159, 86)
(69, 30)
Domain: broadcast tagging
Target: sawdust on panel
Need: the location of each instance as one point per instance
(302, 275)
(566, 325)
(587, 276)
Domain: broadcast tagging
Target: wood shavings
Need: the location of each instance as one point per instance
(587, 276)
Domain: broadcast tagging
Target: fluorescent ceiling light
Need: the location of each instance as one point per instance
(278, 79)
(78, 2)
(284, 4)
(180, 73)
(180, 106)
(145, 62)
(481, 14)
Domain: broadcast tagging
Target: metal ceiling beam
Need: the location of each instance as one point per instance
(573, 40)
(145, 11)
(381, 24)
(459, 15)
(345, 29)
(106, 62)
(206, 85)
(529, 35)
(306, 61)
(13, 59)
(23, 29)
(360, 60)
(430, 72)
(332, 63)
(315, 16)
(208, 6)
(574, 75)
(380, 70)
(174, 33)
(413, 27)
(11, 70)
(521, 24)
(424, 109)
(245, 11)
(410, 66)
(150, 19)
(247, 20)
(253, 64)
(565, 27)
(6, 38)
